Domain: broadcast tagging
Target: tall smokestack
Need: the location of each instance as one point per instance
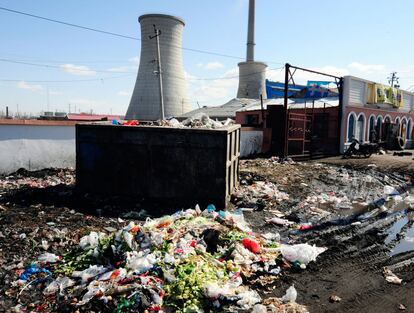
(146, 98)
(252, 74)
(250, 32)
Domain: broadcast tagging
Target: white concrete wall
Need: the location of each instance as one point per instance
(250, 142)
(34, 147)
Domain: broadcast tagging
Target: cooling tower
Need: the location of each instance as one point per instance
(252, 75)
(146, 99)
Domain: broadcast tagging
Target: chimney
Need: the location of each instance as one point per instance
(252, 74)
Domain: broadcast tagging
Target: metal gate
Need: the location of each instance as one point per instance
(309, 131)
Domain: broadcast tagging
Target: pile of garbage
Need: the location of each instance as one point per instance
(40, 179)
(191, 261)
(200, 120)
(257, 192)
(197, 121)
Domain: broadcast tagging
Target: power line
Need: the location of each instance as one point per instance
(102, 79)
(102, 71)
(120, 35)
(58, 66)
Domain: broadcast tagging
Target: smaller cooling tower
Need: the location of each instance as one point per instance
(252, 74)
(145, 100)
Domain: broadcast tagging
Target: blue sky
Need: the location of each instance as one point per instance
(367, 38)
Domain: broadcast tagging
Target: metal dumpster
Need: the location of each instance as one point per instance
(179, 167)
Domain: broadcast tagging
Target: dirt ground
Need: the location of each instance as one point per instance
(42, 206)
(387, 162)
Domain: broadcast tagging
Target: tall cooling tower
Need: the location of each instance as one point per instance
(146, 99)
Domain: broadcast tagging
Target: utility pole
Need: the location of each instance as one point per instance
(393, 78)
(159, 72)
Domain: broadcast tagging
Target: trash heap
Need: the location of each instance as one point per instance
(191, 261)
(200, 120)
(259, 192)
(42, 179)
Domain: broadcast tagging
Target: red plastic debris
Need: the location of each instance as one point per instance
(251, 245)
(131, 123)
(305, 227)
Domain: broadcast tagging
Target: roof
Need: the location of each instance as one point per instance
(30, 122)
(92, 117)
(227, 110)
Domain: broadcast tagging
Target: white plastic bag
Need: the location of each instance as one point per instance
(60, 284)
(48, 258)
(90, 241)
(248, 299)
(303, 253)
(91, 272)
(291, 294)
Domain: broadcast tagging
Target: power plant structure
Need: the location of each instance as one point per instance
(252, 74)
(160, 90)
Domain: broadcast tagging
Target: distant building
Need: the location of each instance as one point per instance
(83, 117)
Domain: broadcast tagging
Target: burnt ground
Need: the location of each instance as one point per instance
(42, 206)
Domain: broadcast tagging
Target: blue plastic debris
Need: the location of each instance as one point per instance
(31, 270)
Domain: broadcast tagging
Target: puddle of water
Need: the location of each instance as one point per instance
(404, 228)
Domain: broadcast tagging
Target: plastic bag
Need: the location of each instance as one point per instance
(60, 284)
(48, 258)
(89, 273)
(389, 190)
(291, 294)
(140, 262)
(303, 253)
(248, 299)
(279, 221)
(90, 241)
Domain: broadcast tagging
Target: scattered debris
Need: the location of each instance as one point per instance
(402, 307)
(334, 298)
(391, 277)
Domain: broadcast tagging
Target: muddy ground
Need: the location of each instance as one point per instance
(42, 207)
(352, 267)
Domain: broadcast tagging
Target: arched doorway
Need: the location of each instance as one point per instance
(360, 128)
(385, 127)
(409, 130)
(379, 127)
(403, 129)
(351, 127)
(371, 129)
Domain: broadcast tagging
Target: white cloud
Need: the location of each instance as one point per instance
(125, 93)
(134, 60)
(214, 91)
(213, 66)
(121, 69)
(78, 70)
(366, 68)
(301, 77)
(55, 93)
(32, 87)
